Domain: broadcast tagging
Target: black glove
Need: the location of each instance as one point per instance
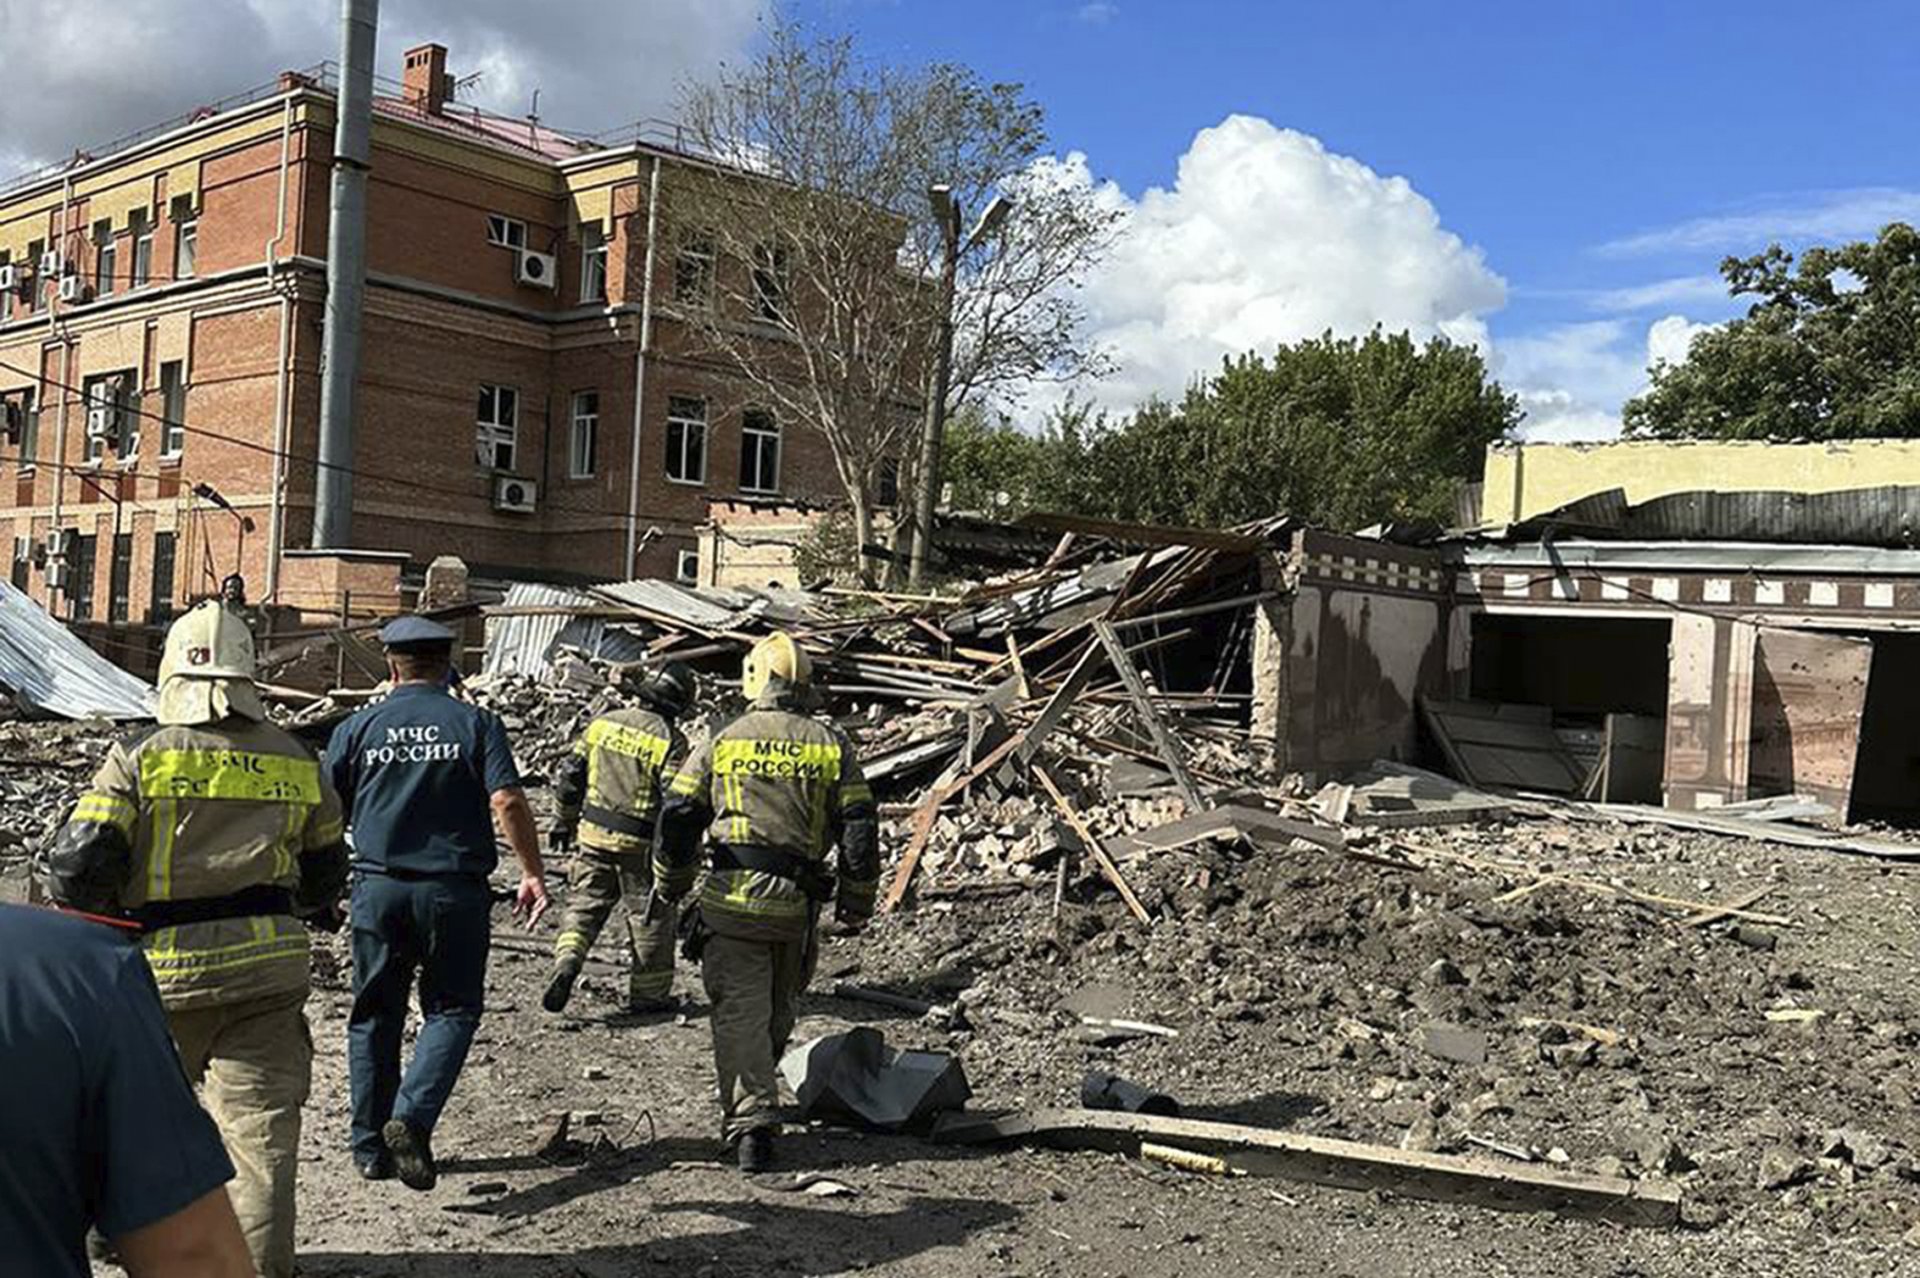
(560, 837)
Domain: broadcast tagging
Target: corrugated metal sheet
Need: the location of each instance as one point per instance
(46, 667)
(1693, 556)
(710, 607)
(1886, 516)
(524, 645)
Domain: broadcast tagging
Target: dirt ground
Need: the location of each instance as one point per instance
(1302, 985)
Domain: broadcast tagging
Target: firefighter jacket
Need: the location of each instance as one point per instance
(773, 791)
(609, 789)
(216, 839)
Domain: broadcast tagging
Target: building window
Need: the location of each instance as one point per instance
(507, 232)
(22, 563)
(583, 449)
(496, 426)
(120, 580)
(186, 238)
(160, 603)
(770, 283)
(42, 281)
(593, 263)
(142, 247)
(686, 567)
(173, 408)
(113, 416)
(80, 576)
(686, 440)
(105, 258)
(693, 272)
(24, 426)
(759, 452)
(889, 485)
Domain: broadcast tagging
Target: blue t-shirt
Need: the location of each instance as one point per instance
(97, 1122)
(417, 773)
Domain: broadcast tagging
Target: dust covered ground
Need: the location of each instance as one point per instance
(1302, 984)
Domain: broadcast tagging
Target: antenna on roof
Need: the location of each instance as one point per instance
(533, 119)
(467, 82)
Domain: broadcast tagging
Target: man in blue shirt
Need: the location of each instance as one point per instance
(99, 1125)
(423, 777)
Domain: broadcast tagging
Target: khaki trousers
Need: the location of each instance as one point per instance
(252, 1063)
(754, 987)
(599, 881)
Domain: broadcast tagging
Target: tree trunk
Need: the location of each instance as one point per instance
(862, 534)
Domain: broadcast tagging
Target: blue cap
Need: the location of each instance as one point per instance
(403, 632)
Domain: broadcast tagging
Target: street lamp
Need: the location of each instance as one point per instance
(946, 211)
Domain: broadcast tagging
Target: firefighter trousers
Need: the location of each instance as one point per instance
(754, 987)
(252, 1063)
(599, 881)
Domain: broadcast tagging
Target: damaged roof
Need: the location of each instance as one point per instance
(46, 667)
(1887, 516)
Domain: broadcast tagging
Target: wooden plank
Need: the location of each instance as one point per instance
(1149, 715)
(1060, 702)
(1733, 907)
(1343, 1163)
(923, 820)
(1809, 692)
(1784, 832)
(1093, 845)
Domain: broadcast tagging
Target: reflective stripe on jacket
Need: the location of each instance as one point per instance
(192, 814)
(624, 755)
(775, 779)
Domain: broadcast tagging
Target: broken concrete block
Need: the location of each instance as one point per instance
(855, 1076)
(1783, 1169)
(1455, 1043)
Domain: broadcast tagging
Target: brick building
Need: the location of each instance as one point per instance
(160, 356)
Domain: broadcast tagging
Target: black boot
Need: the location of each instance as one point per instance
(560, 987)
(755, 1151)
(412, 1154)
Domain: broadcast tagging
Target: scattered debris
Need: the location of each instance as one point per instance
(856, 1077)
(1099, 1090)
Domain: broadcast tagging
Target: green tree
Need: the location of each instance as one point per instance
(1342, 432)
(1831, 350)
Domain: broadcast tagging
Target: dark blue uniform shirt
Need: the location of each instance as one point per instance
(416, 774)
(97, 1123)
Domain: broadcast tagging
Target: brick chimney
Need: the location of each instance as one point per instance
(428, 86)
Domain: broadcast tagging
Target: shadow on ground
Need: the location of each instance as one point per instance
(751, 1236)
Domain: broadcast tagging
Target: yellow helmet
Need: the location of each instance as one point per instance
(775, 657)
(209, 642)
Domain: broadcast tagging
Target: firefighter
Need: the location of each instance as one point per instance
(772, 791)
(609, 798)
(217, 834)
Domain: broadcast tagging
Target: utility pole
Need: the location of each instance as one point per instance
(346, 275)
(946, 209)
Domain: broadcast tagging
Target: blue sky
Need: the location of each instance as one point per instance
(1555, 181)
(1602, 156)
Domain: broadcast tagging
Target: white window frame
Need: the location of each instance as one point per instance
(140, 260)
(186, 240)
(494, 427)
(752, 436)
(173, 410)
(593, 263)
(677, 416)
(686, 567)
(506, 232)
(771, 277)
(95, 452)
(697, 250)
(106, 259)
(583, 435)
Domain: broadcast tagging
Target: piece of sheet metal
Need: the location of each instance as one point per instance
(47, 668)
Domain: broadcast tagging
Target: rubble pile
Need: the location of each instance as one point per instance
(44, 765)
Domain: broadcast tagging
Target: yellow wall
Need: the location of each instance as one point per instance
(1524, 480)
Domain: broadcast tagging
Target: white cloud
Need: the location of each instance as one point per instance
(1267, 237)
(1657, 293)
(1098, 14)
(1670, 338)
(88, 71)
(1822, 215)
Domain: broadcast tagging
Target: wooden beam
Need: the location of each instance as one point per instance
(923, 820)
(1343, 1163)
(1150, 716)
(1094, 847)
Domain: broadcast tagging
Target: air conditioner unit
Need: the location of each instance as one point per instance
(536, 270)
(57, 574)
(12, 278)
(73, 289)
(100, 420)
(57, 542)
(516, 496)
(50, 263)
